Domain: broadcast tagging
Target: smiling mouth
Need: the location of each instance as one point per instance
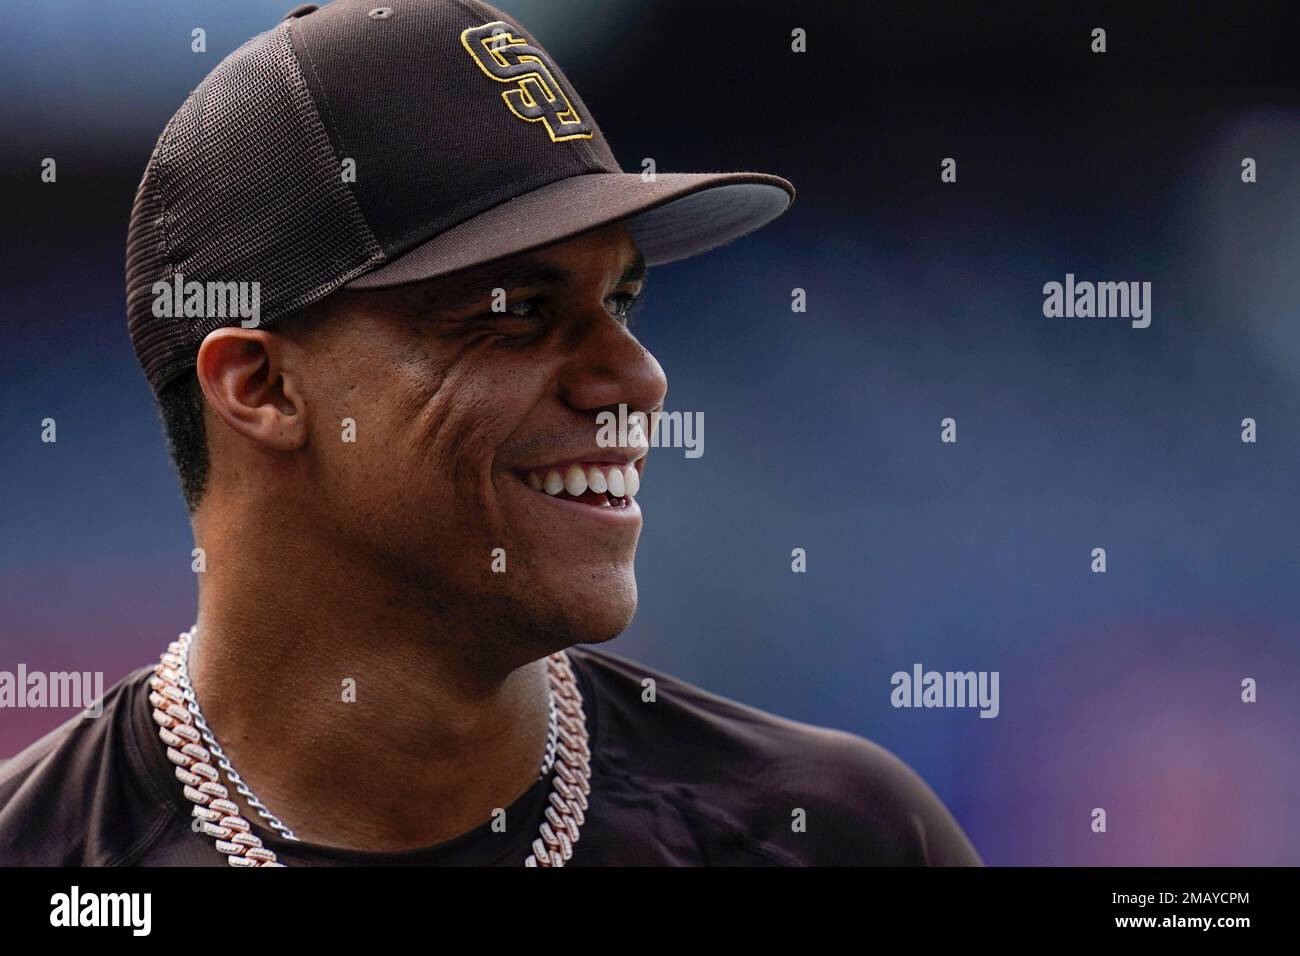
(598, 484)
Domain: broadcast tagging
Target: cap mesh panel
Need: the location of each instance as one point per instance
(243, 186)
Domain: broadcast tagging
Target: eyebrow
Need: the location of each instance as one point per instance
(635, 270)
(512, 275)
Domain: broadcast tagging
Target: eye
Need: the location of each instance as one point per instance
(623, 304)
(520, 309)
(523, 309)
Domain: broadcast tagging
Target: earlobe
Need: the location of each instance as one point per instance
(242, 376)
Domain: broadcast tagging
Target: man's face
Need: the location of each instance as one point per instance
(467, 417)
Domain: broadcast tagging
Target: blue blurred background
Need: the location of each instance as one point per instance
(822, 428)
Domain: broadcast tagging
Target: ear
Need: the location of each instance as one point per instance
(245, 380)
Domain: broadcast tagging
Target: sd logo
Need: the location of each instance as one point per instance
(535, 94)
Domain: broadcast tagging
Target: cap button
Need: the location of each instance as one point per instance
(302, 10)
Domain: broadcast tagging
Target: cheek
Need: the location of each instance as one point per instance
(456, 428)
(435, 430)
(365, 435)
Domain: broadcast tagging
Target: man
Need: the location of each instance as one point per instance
(379, 272)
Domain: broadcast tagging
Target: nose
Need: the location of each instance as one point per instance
(610, 368)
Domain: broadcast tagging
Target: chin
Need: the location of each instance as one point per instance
(602, 615)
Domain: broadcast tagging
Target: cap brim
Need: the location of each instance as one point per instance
(672, 216)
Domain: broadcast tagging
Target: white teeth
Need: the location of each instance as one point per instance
(616, 487)
(575, 481)
(616, 480)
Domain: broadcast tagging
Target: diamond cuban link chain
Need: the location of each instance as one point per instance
(193, 748)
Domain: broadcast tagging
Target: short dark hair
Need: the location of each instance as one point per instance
(180, 403)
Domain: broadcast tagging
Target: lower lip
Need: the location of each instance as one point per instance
(627, 516)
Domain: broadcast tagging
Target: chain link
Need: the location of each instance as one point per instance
(181, 727)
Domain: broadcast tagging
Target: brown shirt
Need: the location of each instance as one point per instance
(690, 779)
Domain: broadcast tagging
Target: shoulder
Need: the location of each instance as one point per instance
(82, 795)
(810, 794)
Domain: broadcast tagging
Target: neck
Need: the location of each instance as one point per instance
(358, 718)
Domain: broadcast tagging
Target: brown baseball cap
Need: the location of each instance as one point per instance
(365, 146)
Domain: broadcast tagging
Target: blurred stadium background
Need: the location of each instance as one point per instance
(821, 429)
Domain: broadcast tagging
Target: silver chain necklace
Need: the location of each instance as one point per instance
(193, 748)
(236, 781)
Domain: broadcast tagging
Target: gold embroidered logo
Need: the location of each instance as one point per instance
(535, 94)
